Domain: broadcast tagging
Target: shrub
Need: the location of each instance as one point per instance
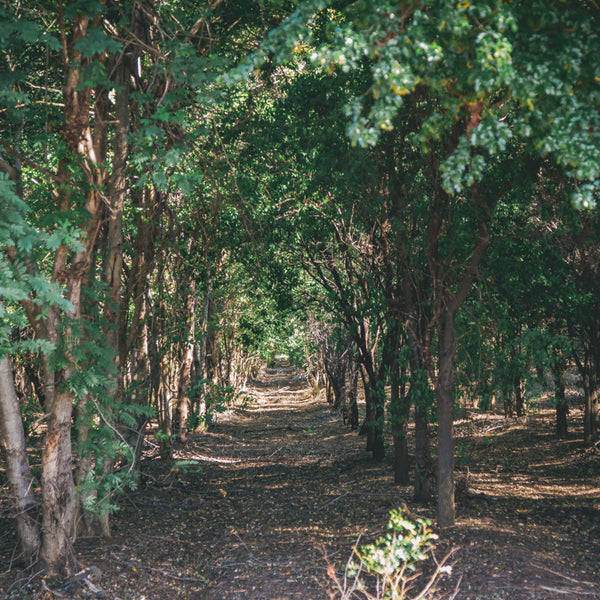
(388, 569)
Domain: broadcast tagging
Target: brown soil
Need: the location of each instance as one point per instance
(276, 491)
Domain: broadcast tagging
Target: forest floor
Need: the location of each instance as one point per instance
(260, 506)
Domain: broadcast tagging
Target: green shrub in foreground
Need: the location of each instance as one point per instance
(388, 569)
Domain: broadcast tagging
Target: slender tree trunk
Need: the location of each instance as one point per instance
(182, 407)
(590, 413)
(399, 416)
(518, 395)
(58, 487)
(418, 397)
(445, 406)
(446, 306)
(20, 479)
(352, 408)
(424, 471)
(374, 405)
(379, 425)
(86, 150)
(562, 408)
(366, 428)
(210, 348)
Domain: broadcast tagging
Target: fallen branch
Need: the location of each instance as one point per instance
(332, 501)
(563, 576)
(561, 591)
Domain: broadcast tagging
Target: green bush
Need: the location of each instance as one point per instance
(388, 569)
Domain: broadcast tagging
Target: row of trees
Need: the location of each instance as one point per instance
(182, 191)
(117, 238)
(470, 131)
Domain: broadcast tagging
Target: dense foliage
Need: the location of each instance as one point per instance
(189, 189)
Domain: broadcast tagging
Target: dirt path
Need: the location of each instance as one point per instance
(250, 510)
(279, 489)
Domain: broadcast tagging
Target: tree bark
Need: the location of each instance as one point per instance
(352, 407)
(424, 471)
(182, 407)
(399, 409)
(417, 397)
(20, 479)
(446, 306)
(445, 406)
(58, 487)
(518, 395)
(85, 148)
(590, 412)
(562, 408)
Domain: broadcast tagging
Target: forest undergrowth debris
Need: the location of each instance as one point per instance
(249, 509)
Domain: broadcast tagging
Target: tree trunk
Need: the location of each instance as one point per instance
(182, 406)
(85, 152)
(562, 408)
(57, 484)
(418, 397)
(351, 396)
(379, 424)
(399, 410)
(590, 413)
(424, 471)
(366, 428)
(518, 395)
(445, 406)
(12, 435)
(374, 408)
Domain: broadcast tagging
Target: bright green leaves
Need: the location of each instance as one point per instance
(392, 560)
(493, 55)
(468, 162)
(96, 43)
(530, 65)
(20, 243)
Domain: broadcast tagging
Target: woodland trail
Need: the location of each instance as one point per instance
(283, 484)
(255, 508)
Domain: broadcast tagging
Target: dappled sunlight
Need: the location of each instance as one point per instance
(272, 489)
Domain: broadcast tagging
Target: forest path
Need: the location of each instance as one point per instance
(250, 509)
(283, 472)
(255, 508)
(273, 489)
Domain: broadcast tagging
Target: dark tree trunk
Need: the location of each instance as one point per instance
(182, 408)
(446, 306)
(562, 408)
(590, 413)
(329, 391)
(418, 397)
(518, 396)
(352, 407)
(367, 426)
(445, 406)
(399, 410)
(401, 456)
(373, 424)
(378, 427)
(424, 470)
(374, 409)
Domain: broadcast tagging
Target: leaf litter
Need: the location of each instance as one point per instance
(273, 495)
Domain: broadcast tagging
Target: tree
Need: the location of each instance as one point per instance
(488, 74)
